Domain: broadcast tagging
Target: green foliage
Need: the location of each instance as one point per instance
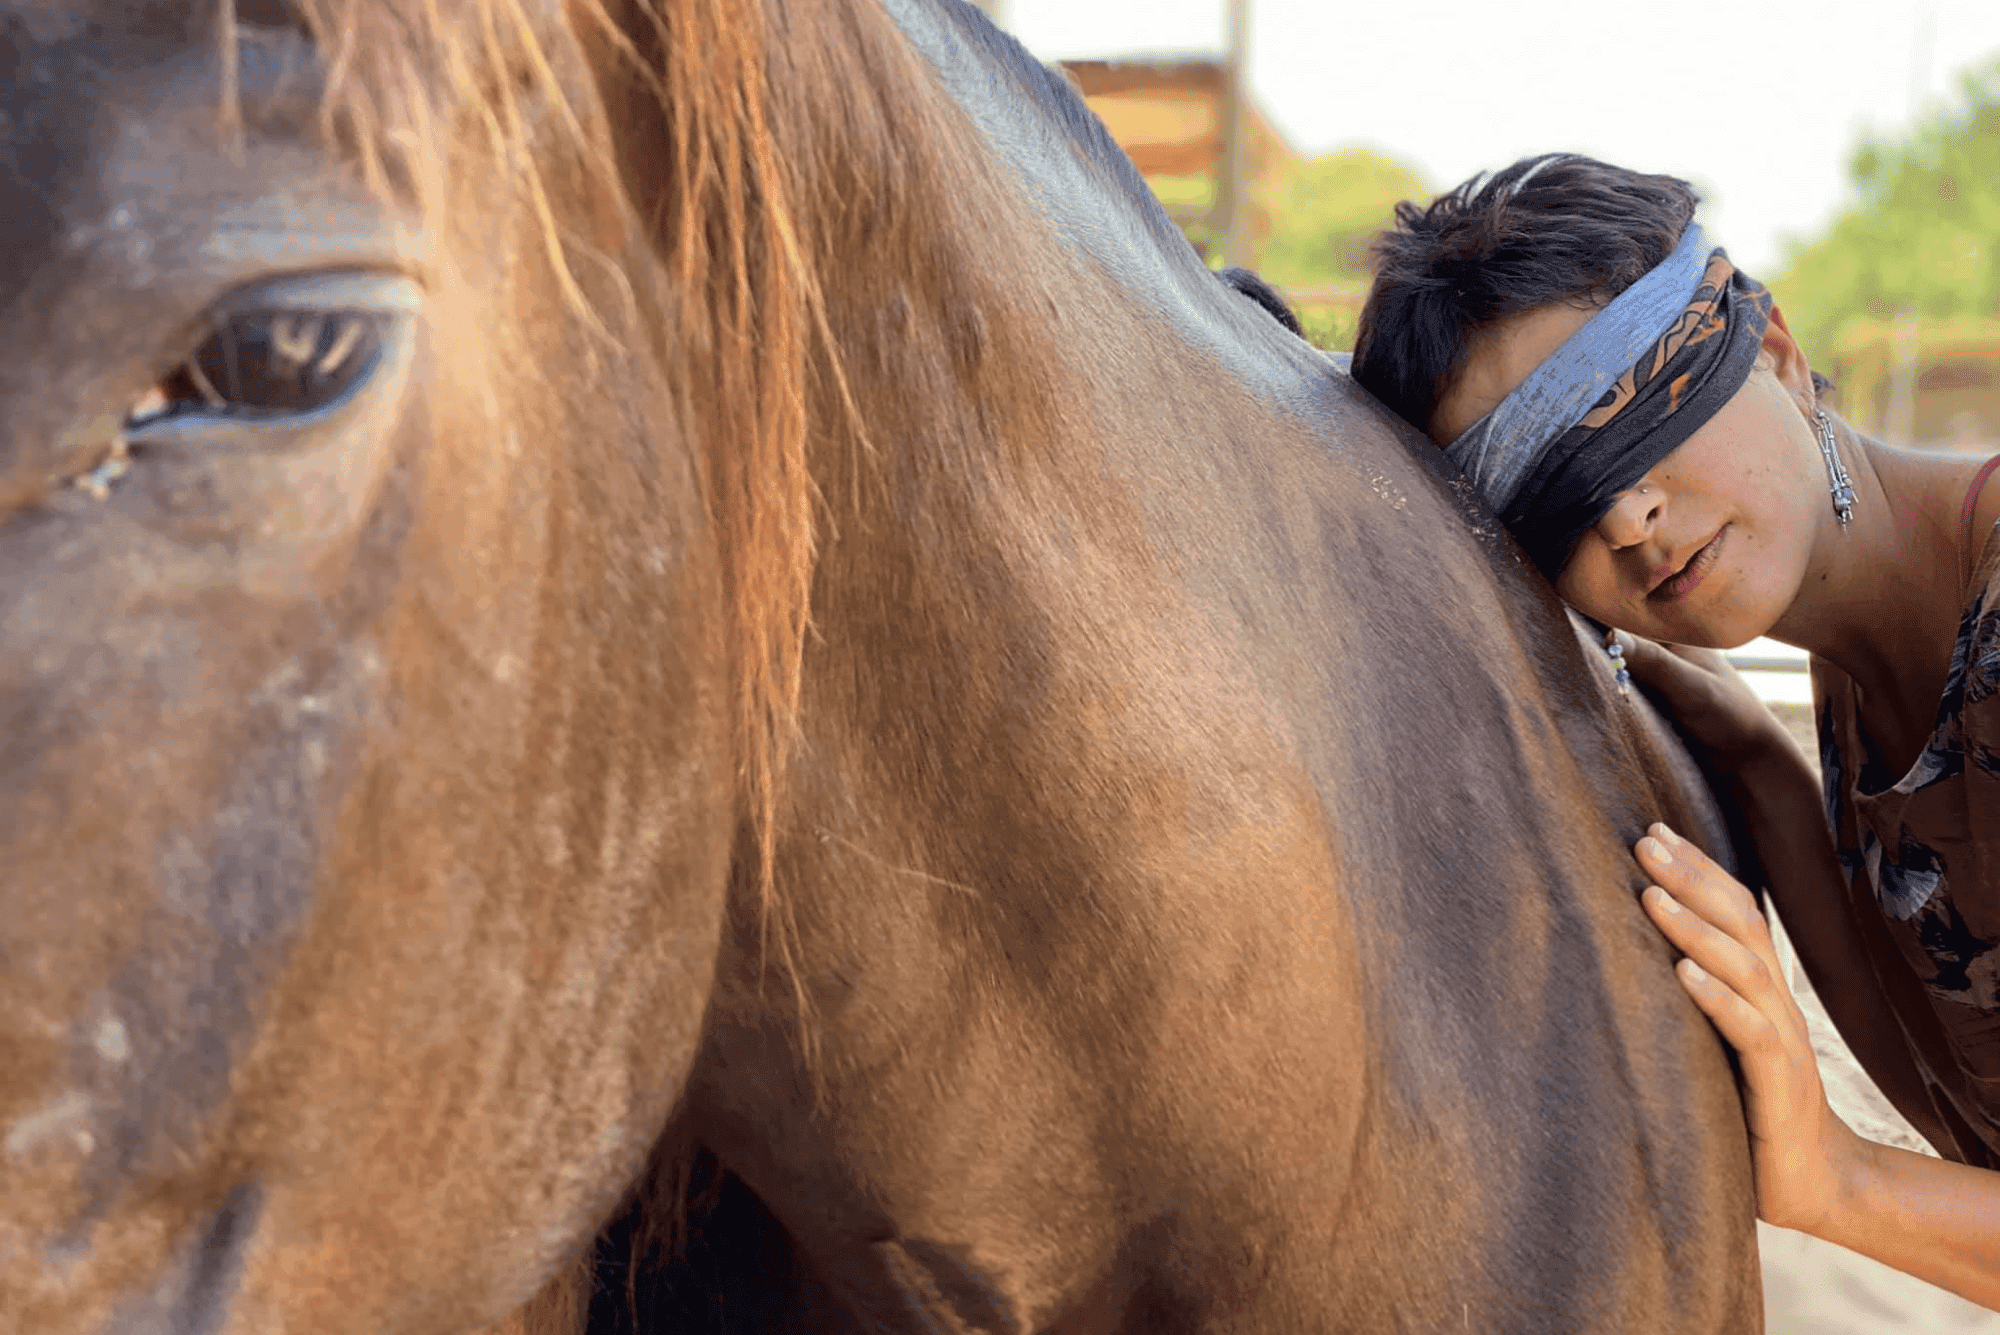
(1923, 234)
(1331, 328)
(1184, 192)
(1328, 212)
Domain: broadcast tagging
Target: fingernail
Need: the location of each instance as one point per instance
(1657, 850)
(1693, 972)
(1665, 902)
(1665, 834)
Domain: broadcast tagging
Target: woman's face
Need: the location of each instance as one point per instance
(1712, 547)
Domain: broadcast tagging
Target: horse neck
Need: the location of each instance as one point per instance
(978, 242)
(991, 529)
(961, 328)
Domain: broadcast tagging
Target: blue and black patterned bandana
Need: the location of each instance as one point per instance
(1622, 394)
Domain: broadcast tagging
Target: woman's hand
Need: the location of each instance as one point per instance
(1804, 1156)
(1707, 697)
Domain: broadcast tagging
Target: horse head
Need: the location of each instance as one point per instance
(366, 661)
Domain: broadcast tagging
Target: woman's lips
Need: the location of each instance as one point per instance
(1691, 575)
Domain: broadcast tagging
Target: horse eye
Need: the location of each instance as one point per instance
(270, 364)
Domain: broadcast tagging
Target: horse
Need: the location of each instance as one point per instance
(773, 674)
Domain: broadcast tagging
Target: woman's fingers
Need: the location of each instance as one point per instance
(1707, 913)
(1706, 695)
(1667, 667)
(1722, 956)
(1691, 876)
(1748, 1029)
(1731, 972)
(1655, 666)
(1650, 657)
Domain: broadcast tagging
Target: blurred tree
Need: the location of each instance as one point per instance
(1328, 212)
(1325, 214)
(1330, 326)
(1923, 235)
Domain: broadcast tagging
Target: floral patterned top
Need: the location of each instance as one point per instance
(1921, 853)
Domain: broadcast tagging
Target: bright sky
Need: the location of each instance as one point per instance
(1759, 102)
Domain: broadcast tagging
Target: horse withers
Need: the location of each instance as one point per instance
(692, 620)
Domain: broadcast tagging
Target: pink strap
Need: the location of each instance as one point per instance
(1965, 558)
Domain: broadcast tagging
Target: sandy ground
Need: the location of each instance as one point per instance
(1813, 1287)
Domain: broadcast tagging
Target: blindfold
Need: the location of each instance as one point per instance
(1622, 394)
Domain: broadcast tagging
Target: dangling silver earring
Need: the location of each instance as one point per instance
(1616, 653)
(1836, 476)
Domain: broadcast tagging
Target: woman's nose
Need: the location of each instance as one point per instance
(1631, 518)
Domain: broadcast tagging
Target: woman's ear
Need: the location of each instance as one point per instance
(1788, 360)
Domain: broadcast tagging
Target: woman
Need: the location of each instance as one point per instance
(1635, 411)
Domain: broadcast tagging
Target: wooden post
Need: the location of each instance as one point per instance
(1899, 425)
(1233, 183)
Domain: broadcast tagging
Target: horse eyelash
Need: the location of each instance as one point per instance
(296, 338)
(191, 368)
(96, 482)
(116, 463)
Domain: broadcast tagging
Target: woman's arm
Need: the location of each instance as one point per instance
(1762, 777)
(1936, 1220)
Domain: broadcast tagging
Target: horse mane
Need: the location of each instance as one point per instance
(731, 279)
(1245, 283)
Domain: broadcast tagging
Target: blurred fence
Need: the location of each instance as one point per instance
(1929, 382)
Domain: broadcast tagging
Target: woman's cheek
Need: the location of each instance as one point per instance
(1589, 584)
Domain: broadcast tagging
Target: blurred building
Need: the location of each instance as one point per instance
(1168, 115)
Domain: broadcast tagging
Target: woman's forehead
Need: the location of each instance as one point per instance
(1502, 355)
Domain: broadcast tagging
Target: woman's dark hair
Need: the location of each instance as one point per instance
(1548, 230)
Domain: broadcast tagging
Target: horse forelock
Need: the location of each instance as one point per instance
(410, 87)
(773, 118)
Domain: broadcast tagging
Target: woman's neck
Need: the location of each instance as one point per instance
(1883, 601)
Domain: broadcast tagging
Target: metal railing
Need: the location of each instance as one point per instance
(1743, 662)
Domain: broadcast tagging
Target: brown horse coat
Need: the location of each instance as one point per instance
(1176, 882)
